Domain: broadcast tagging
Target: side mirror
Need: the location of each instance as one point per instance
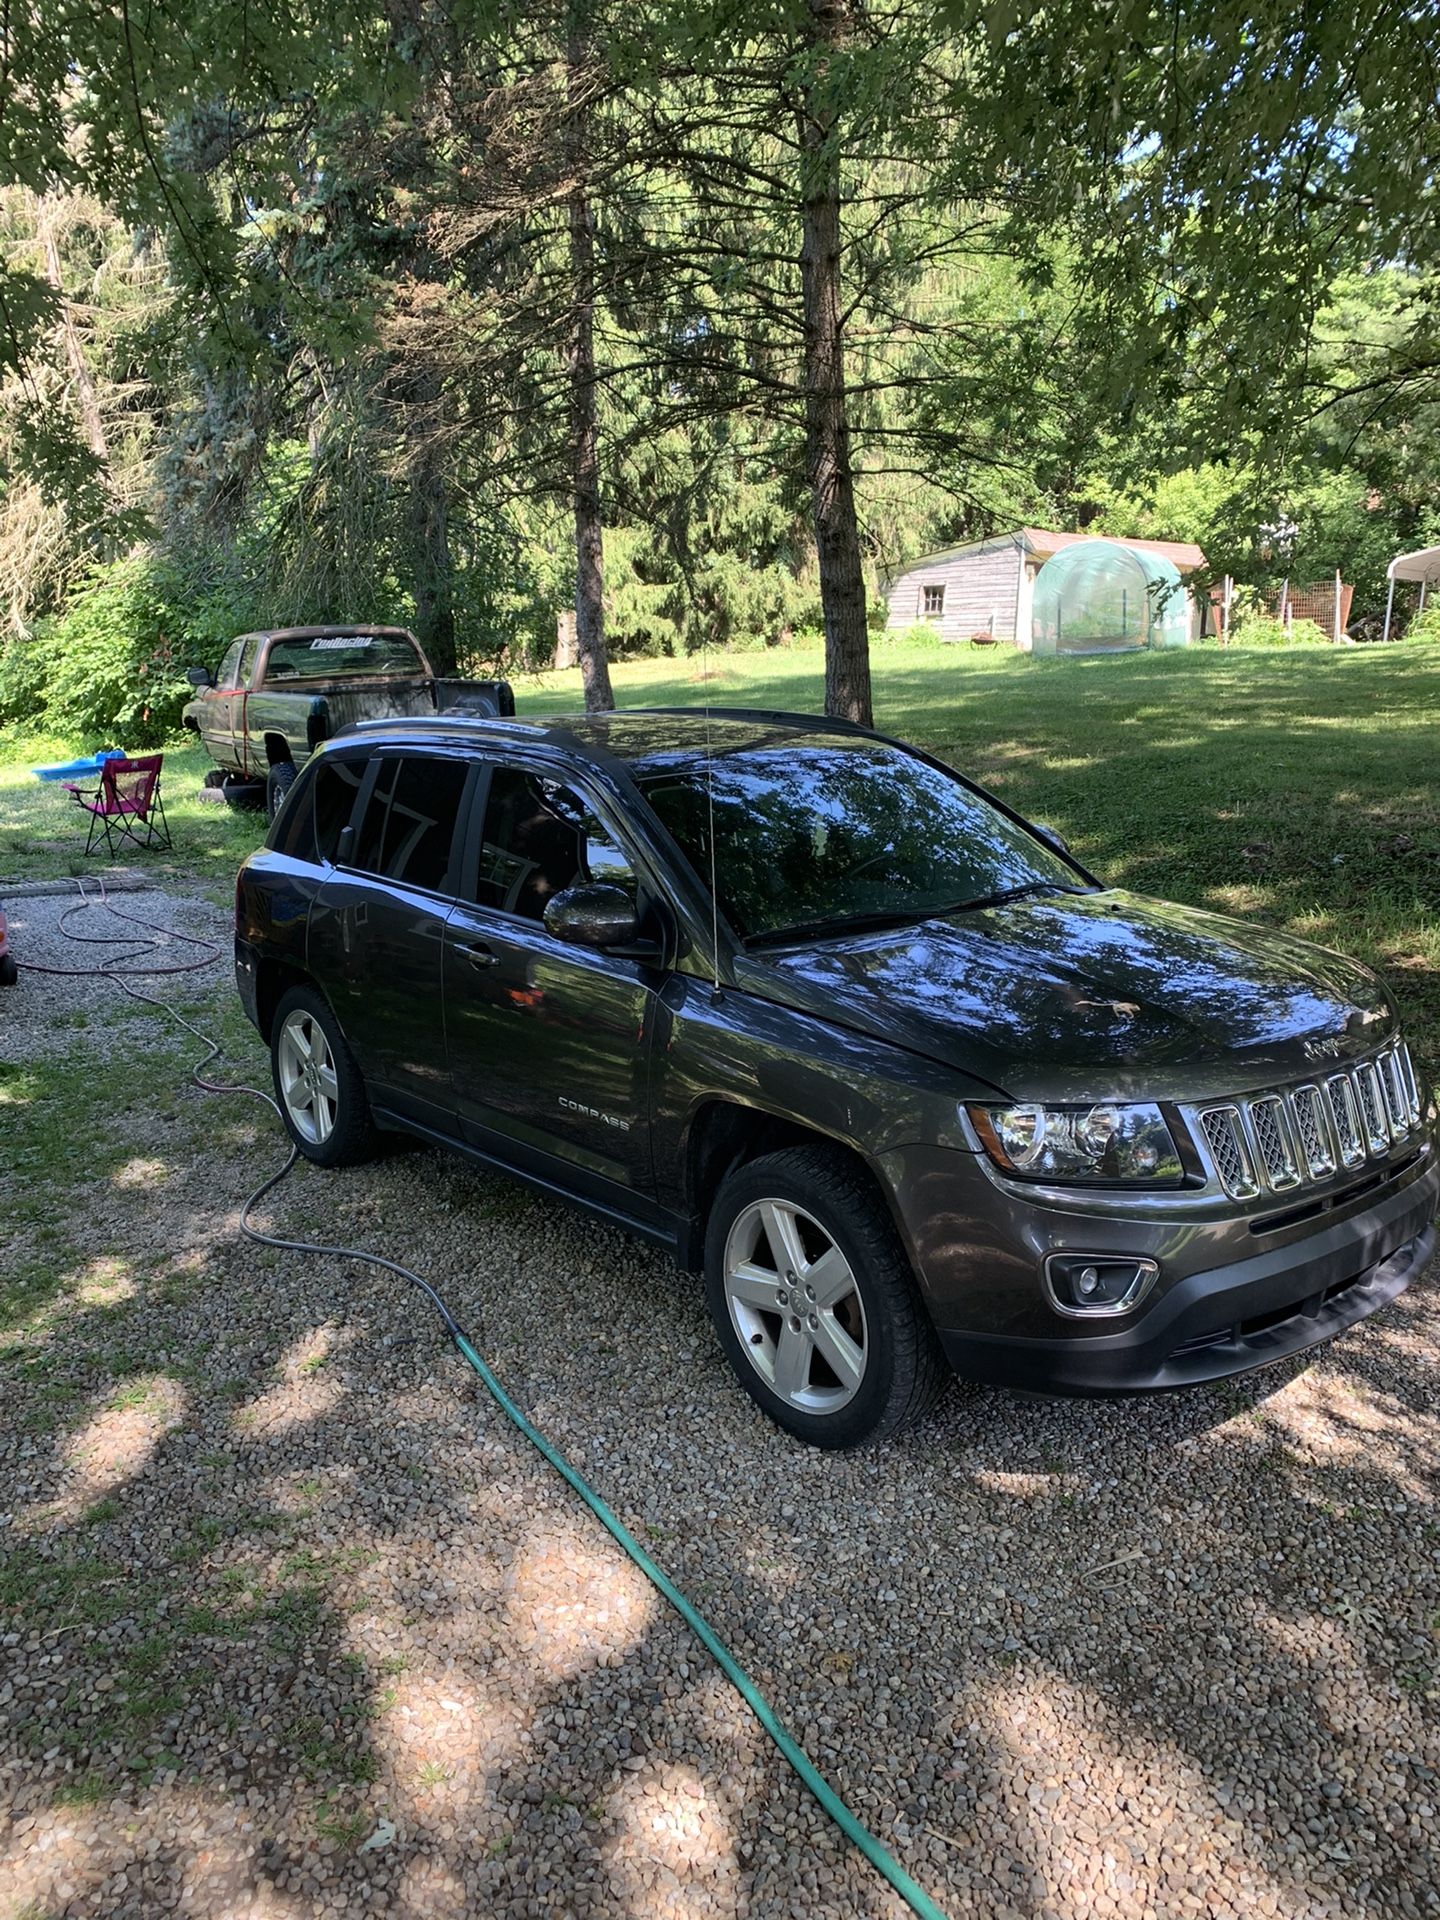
(593, 916)
(200, 676)
(1051, 835)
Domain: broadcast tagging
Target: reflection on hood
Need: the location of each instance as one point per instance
(1092, 995)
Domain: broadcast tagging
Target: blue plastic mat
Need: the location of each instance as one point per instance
(72, 769)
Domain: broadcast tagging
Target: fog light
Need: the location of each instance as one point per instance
(1088, 1284)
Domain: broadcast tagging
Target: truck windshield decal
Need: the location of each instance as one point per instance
(329, 655)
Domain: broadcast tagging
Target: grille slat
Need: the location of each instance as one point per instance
(1412, 1085)
(1312, 1131)
(1229, 1152)
(1372, 1107)
(1277, 1141)
(1345, 1112)
(1267, 1117)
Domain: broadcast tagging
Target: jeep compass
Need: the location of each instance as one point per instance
(841, 1031)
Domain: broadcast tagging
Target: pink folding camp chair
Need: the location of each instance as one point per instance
(126, 806)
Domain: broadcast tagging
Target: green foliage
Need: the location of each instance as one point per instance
(111, 666)
(1425, 626)
(1264, 630)
(923, 634)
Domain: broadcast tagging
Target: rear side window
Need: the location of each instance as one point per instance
(408, 833)
(334, 788)
(540, 838)
(309, 827)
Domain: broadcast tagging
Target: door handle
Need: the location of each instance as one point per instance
(479, 956)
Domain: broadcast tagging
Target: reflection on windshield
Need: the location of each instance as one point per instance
(814, 836)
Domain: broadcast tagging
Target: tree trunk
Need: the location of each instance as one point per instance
(584, 427)
(827, 427)
(86, 397)
(430, 557)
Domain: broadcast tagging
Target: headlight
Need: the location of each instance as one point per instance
(1123, 1146)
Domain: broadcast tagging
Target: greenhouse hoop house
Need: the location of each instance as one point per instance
(1099, 596)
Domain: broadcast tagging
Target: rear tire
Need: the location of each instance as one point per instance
(242, 795)
(278, 783)
(825, 1331)
(318, 1086)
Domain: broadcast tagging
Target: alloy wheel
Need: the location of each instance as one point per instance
(795, 1304)
(308, 1085)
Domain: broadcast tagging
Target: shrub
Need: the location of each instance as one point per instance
(1425, 626)
(111, 667)
(1263, 630)
(924, 633)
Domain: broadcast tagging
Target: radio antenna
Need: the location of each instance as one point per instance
(710, 806)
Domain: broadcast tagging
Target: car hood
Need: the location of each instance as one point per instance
(1090, 996)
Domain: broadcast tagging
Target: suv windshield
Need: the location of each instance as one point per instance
(328, 655)
(813, 837)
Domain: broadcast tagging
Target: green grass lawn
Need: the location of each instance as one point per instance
(1295, 786)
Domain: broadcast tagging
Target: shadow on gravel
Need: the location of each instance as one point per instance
(292, 1618)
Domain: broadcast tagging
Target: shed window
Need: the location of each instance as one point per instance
(932, 600)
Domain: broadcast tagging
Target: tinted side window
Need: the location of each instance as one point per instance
(332, 792)
(247, 663)
(229, 674)
(409, 826)
(540, 838)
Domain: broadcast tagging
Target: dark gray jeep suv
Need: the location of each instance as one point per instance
(819, 1015)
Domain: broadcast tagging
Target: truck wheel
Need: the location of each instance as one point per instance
(242, 795)
(813, 1299)
(278, 783)
(317, 1083)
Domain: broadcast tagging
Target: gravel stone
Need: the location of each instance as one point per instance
(293, 1623)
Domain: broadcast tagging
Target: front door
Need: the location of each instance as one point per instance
(548, 1042)
(378, 927)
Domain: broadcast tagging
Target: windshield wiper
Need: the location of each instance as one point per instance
(897, 916)
(825, 929)
(1006, 895)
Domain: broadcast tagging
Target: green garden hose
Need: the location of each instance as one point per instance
(791, 1751)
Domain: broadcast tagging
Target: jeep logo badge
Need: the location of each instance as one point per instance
(1326, 1049)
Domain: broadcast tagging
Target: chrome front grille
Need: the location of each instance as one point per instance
(1277, 1141)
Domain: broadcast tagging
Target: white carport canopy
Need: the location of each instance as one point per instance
(1423, 566)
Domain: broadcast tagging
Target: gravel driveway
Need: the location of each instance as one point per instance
(293, 1622)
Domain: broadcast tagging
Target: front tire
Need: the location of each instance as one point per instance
(318, 1086)
(814, 1302)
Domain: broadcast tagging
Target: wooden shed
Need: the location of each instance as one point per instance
(987, 586)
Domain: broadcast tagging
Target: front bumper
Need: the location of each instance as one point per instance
(1227, 1301)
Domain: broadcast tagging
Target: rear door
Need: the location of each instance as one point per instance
(378, 923)
(548, 1042)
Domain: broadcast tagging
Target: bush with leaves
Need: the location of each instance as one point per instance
(1264, 630)
(111, 667)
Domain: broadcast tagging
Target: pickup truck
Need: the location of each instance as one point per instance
(279, 693)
